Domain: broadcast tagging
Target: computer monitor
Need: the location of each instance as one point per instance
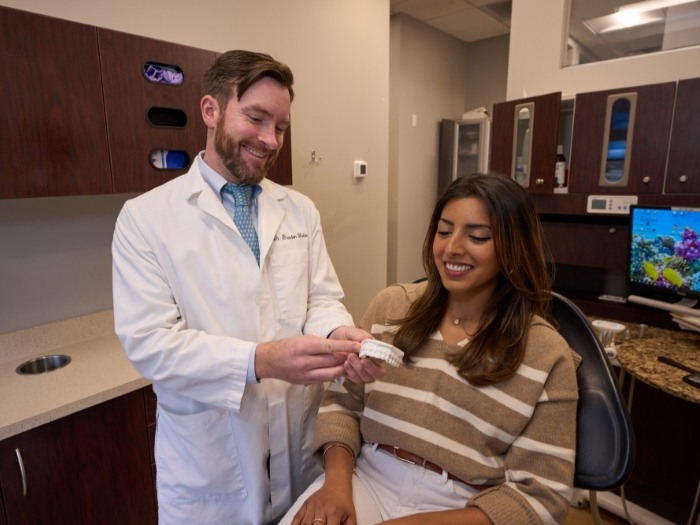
(664, 256)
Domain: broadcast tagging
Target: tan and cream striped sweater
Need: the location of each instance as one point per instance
(517, 436)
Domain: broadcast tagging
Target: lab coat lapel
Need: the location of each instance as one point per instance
(198, 192)
(272, 209)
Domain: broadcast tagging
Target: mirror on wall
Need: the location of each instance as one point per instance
(607, 29)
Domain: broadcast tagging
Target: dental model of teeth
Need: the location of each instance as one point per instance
(381, 350)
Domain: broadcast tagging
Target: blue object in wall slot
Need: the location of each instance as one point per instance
(166, 159)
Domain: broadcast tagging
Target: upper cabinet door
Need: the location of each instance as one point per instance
(524, 138)
(152, 91)
(683, 171)
(620, 140)
(52, 125)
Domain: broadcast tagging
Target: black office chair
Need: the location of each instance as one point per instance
(605, 438)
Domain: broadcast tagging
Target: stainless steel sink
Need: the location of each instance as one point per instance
(42, 364)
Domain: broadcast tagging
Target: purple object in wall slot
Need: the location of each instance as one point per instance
(163, 73)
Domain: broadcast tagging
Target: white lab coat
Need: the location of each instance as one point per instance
(189, 300)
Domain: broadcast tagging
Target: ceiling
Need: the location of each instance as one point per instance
(468, 20)
(473, 20)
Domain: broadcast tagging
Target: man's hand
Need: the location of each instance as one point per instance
(305, 359)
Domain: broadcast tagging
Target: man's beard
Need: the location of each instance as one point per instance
(228, 150)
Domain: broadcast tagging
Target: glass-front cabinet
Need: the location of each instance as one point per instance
(525, 135)
(621, 139)
(464, 149)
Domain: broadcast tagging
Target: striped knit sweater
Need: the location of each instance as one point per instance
(517, 436)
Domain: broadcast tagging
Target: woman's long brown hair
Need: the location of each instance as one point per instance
(497, 349)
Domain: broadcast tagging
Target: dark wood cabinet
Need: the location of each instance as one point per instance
(544, 135)
(647, 140)
(593, 244)
(666, 471)
(53, 136)
(2, 513)
(130, 96)
(683, 169)
(90, 467)
(82, 118)
(151, 403)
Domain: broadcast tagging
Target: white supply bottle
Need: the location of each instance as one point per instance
(561, 172)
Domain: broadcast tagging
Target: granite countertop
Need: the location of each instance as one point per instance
(98, 371)
(639, 357)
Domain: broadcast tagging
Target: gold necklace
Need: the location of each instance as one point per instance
(464, 327)
(458, 320)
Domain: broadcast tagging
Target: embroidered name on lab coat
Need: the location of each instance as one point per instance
(286, 237)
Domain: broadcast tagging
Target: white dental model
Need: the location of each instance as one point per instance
(381, 350)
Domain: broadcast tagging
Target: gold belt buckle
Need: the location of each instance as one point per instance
(400, 458)
(407, 460)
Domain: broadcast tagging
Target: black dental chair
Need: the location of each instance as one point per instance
(605, 438)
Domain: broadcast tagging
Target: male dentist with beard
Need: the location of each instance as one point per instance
(236, 324)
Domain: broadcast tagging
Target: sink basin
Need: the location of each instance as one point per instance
(46, 363)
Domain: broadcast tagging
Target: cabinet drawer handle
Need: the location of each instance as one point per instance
(21, 469)
(646, 180)
(683, 178)
(539, 182)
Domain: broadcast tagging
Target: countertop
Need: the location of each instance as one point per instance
(98, 371)
(639, 357)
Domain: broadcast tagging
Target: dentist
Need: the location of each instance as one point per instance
(237, 327)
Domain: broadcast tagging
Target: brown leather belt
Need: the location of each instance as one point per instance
(411, 458)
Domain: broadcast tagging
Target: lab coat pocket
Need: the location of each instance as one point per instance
(290, 277)
(196, 457)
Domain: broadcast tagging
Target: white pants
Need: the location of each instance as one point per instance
(385, 487)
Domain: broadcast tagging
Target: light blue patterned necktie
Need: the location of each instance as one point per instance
(241, 217)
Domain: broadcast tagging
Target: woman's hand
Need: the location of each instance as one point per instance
(358, 370)
(332, 503)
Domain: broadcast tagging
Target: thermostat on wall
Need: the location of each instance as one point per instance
(359, 169)
(610, 204)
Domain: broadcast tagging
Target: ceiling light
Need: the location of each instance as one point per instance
(651, 5)
(622, 20)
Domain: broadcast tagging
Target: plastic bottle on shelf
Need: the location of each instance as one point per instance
(561, 172)
(519, 171)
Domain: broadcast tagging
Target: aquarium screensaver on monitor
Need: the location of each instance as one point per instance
(664, 250)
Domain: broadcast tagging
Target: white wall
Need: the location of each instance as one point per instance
(487, 72)
(433, 76)
(55, 258)
(428, 84)
(537, 30)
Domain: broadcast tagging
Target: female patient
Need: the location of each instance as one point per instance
(478, 425)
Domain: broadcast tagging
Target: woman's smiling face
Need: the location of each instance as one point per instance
(464, 249)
